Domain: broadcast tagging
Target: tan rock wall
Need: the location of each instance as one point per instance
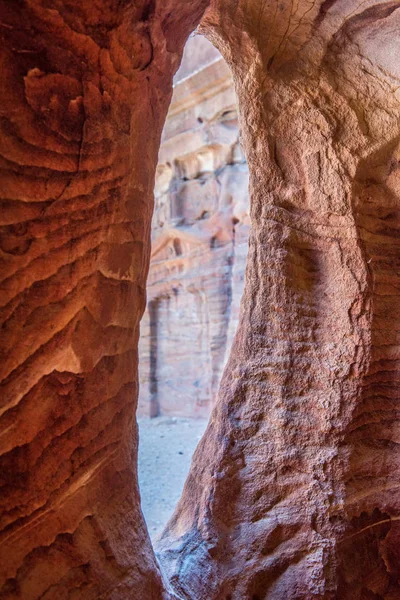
(199, 237)
(295, 480)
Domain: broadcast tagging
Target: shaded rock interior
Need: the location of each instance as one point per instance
(293, 491)
(199, 241)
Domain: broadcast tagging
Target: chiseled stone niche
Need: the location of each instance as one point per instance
(199, 241)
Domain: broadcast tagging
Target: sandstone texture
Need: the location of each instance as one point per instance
(293, 492)
(199, 241)
(294, 489)
(85, 87)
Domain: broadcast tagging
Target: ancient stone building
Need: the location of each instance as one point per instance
(199, 241)
(294, 489)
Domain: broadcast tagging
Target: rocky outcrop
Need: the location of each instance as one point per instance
(84, 92)
(199, 246)
(293, 491)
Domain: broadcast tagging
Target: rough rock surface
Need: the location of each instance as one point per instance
(85, 88)
(199, 241)
(293, 491)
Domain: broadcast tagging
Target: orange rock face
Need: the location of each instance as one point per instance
(293, 492)
(199, 246)
(85, 88)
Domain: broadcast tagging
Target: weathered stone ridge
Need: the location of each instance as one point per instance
(199, 241)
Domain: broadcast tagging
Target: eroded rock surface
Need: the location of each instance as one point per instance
(293, 492)
(199, 246)
(84, 92)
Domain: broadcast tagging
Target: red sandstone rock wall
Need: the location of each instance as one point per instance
(293, 491)
(199, 241)
(84, 91)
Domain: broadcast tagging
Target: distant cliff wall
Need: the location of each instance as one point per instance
(199, 247)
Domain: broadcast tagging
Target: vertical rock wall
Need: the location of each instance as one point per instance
(293, 491)
(84, 91)
(199, 246)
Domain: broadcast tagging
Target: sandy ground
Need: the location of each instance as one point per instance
(166, 446)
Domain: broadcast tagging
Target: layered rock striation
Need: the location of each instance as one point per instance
(85, 88)
(293, 491)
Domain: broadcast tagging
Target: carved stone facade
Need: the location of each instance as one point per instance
(200, 235)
